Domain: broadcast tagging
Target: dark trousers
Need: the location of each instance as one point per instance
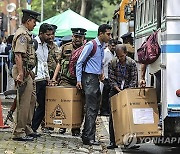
(111, 128)
(90, 83)
(4, 77)
(158, 85)
(40, 110)
(105, 102)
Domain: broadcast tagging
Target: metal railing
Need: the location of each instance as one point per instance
(4, 72)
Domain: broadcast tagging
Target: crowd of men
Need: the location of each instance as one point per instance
(47, 64)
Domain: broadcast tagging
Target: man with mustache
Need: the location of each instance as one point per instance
(42, 72)
(24, 62)
(63, 65)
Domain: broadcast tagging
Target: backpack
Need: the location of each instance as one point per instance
(75, 55)
(149, 50)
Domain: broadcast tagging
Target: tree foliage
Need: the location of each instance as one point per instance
(98, 11)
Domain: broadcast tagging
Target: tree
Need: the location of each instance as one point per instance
(94, 10)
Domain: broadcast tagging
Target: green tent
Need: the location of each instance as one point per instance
(67, 20)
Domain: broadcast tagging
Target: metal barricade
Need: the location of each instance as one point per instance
(4, 72)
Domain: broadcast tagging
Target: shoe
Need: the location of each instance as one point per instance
(34, 135)
(91, 142)
(24, 138)
(62, 130)
(75, 132)
(112, 146)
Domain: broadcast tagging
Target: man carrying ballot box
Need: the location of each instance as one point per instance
(122, 74)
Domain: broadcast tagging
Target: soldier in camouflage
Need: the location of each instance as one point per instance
(25, 60)
(54, 52)
(63, 65)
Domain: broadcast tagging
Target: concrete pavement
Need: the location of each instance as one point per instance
(55, 143)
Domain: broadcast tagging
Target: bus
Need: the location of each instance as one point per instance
(162, 16)
(123, 19)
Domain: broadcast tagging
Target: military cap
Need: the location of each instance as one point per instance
(31, 14)
(79, 31)
(126, 35)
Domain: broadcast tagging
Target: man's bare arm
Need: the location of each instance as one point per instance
(19, 64)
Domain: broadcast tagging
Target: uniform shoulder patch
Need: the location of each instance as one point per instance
(22, 39)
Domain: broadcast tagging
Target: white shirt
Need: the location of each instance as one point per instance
(2, 47)
(42, 56)
(108, 56)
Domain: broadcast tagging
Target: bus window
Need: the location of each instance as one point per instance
(150, 14)
(164, 2)
(141, 15)
(155, 10)
(146, 12)
(138, 18)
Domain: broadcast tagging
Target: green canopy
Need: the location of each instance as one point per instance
(67, 20)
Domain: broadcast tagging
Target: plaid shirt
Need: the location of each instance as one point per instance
(127, 73)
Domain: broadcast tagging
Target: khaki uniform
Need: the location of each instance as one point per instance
(22, 43)
(66, 79)
(52, 61)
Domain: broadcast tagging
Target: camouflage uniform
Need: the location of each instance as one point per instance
(22, 43)
(54, 51)
(66, 79)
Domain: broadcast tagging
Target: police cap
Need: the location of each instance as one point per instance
(79, 31)
(126, 35)
(31, 14)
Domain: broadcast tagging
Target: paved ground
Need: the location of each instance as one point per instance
(55, 143)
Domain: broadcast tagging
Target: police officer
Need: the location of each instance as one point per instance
(63, 65)
(128, 42)
(24, 62)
